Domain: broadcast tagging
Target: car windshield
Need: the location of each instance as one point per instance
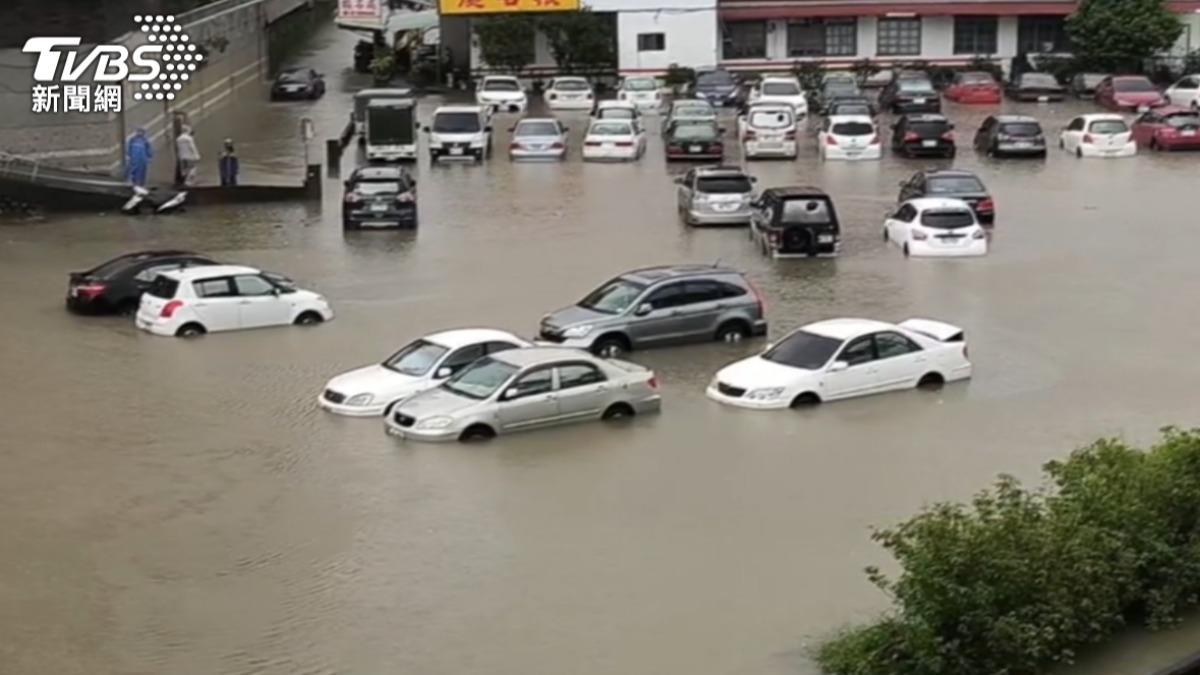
(1091, 80)
(293, 76)
(1133, 85)
(614, 297)
(1021, 129)
(841, 88)
(915, 85)
(693, 110)
(456, 123)
(850, 109)
(929, 128)
(803, 350)
(163, 287)
(1108, 127)
(377, 187)
(1038, 80)
(852, 129)
(1183, 120)
(948, 185)
(501, 85)
(536, 129)
(571, 85)
(616, 114)
(481, 379)
(715, 78)
(771, 119)
(610, 129)
(415, 359)
(976, 78)
(640, 84)
(780, 89)
(948, 219)
(723, 185)
(693, 132)
(805, 211)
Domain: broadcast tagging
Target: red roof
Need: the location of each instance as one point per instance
(787, 9)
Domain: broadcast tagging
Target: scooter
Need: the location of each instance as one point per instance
(143, 197)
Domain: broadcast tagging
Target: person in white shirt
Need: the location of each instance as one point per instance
(187, 154)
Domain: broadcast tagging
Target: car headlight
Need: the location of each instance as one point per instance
(765, 394)
(439, 422)
(360, 400)
(578, 331)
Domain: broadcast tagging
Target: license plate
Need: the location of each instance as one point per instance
(1043, 99)
(1023, 144)
(919, 101)
(608, 146)
(929, 144)
(74, 292)
(1143, 108)
(695, 148)
(824, 238)
(379, 207)
(728, 206)
(456, 151)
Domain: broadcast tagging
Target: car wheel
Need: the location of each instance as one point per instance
(188, 330)
(805, 400)
(618, 411)
(885, 235)
(610, 346)
(1062, 144)
(1078, 153)
(308, 318)
(732, 331)
(931, 381)
(477, 432)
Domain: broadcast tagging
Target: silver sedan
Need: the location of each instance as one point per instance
(525, 389)
(538, 138)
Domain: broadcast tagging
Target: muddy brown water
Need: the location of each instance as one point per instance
(184, 507)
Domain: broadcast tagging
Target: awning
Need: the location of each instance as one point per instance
(396, 21)
(735, 10)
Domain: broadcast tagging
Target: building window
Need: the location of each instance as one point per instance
(841, 37)
(823, 37)
(745, 40)
(899, 37)
(1042, 34)
(652, 42)
(974, 35)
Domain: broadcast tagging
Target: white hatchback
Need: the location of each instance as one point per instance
(781, 90)
(198, 300)
(1098, 135)
(936, 227)
(371, 391)
(1185, 92)
(569, 93)
(768, 130)
(842, 358)
(849, 137)
(614, 139)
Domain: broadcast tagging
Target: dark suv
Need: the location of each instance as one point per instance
(924, 134)
(910, 94)
(379, 196)
(954, 184)
(1011, 135)
(660, 306)
(795, 221)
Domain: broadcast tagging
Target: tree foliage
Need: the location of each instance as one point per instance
(1118, 35)
(1019, 580)
(506, 41)
(581, 40)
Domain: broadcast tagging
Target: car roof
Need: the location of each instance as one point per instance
(533, 356)
(1140, 78)
(616, 104)
(509, 78)
(661, 272)
(796, 191)
(780, 78)
(191, 273)
(570, 78)
(460, 337)
(844, 329)
(833, 119)
(721, 171)
(1093, 117)
(459, 109)
(946, 173)
(537, 119)
(1173, 110)
(928, 203)
(627, 122)
(379, 172)
(926, 117)
(1015, 118)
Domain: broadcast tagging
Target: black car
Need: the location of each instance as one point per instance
(910, 94)
(923, 135)
(116, 286)
(1011, 135)
(1040, 87)
(850, 105)
(795, 221)
(1083, 85)
(298, 83)
(693, 139)
(379, 196)
(952, 183)
(718, 87)
(835, 89)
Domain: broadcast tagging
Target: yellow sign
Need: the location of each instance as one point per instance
(451, 7)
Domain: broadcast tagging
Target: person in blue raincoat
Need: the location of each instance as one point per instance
(138, 154)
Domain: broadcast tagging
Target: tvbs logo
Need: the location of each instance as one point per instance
(159, 68)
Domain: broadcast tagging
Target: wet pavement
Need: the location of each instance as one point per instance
(182, 507)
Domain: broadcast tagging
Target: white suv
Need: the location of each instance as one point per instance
(460, 132)
(197, 300)
(503, 93)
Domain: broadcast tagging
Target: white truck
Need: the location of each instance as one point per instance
(391, 130)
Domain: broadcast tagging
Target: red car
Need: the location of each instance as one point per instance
(974, 87)
(1129, 92)
(1168, 128)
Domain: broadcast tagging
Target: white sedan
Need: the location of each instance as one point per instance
(849, 137)
(569, 93)
(502, 93)
(1185, 92)
(423, 364)
(936, 227)
(1098, 135)
(614, 139)
(645, 92)
(841, 358)
(776, 89)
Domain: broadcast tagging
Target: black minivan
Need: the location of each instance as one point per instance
(795, 222)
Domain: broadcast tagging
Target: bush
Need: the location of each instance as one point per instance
(1063, 68)
(1021, 579)
(678, 77)
(864, 69)
(986, 65)
(810, 73)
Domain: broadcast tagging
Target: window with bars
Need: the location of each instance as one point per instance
(974, 35)
(745, 40)
(823, 37)
(899, 37)
(651, 42)
(1042, 34)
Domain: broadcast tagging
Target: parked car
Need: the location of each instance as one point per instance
(379, 196)
(879, 79)
(298, 83)
(951, 184)
(688, 109)
(538, 138)
(1083, 85)
(502, 93)
(1040, 87)
(910, 95)
(422, 364)
(616, 110)
(1129, 92)
(569, 93)
(936, 227)
(835, 88)
(643, 91)
(849, 137)
(974, 87)
(715, 195)
(1185, 92)
(1168, 128)
(842, 358)
(116, 286)
(523, 389)
(1001, 135)
(197, 300)
(614, 139)
(793, 222)
(719, 87)
(693, 139)
(658, 306)
(775, 89)
(460, 132)
(1098, 135)
(768, 130)
(851, 105)
(923, 134)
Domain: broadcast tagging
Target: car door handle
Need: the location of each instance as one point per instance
(244, 302)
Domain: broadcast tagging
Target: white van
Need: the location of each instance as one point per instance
(460, 132)
(768, 130)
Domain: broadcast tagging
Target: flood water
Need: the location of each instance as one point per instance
(183, 507)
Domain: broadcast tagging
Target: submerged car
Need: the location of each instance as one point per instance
(936, 227)
(1083, 85)
(718, 87)
(116, 286)
(659, 306)
(923, 135)
(849, 137)
(1129, 92)
(842, 358)
(835, 88)
(951, 183)
(379, 196)
(974, 87)
(715, 195)
(1185, 93)
(850, 105)
(298, 83)
(768, 130)
(642, 91)
(422, 364)
(775, 89)
(1002, 135)
(523, 389)
(616, 110)
(538, 138)
(1168, 128)
(910, 94)
(614, 140)
(460, 132)
(502, 93)
(688, 109)
(1098, 135)
(693, 139)
(1040, 87)
(569, 93)
(795, 222)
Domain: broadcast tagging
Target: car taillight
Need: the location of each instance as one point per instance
(353, 197)
(624, 144)
(789, 135)
(919, 235)
(552, 97)
(592, 144)
(514, 146)
(556, 146)
(948, 136)
(168, 309)
(978, 234)
(405, 197)
(986, 204)
(653, 381)
(773, 237)
(751, 135)
(911, 136)
(716, 147)
(90, 290)
(1087, 138)
(758, 296)
(830, 140)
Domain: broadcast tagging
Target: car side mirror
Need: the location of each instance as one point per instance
(566, 129)
(509, 394)
(643, 309)
(425, 129)
(488, 128)
(511, 129)
(347, 183)
(838, 366)
(679, 181)
(443, 372)
(276, 291)
(753, 179)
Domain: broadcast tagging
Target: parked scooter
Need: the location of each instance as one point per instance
(144, 198)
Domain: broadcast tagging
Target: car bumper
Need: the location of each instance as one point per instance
(538, 154)
(400, 155)
(1191, 143)
(1127, 150)
(1032, 97)
(457, 151)
(412, 433)
(582, 104)
(157, 325)
(705, 217)
(610, 153)
(1010, 149)
(505, 106)
(930, 106)
(743, 402)
(350, 410)
(840, 153)
(919, 150)
(584, 343)
(80, 305)
(683, 156)
(393, 217)
(977, 98)
(647, 405)
(771, 148)
(921, 249)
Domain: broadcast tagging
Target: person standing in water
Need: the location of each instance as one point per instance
(138, 153)
(188, 155)
(227, 165)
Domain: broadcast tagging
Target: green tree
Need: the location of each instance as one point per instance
(581, 40)
(506, 41)
(1118, 35)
